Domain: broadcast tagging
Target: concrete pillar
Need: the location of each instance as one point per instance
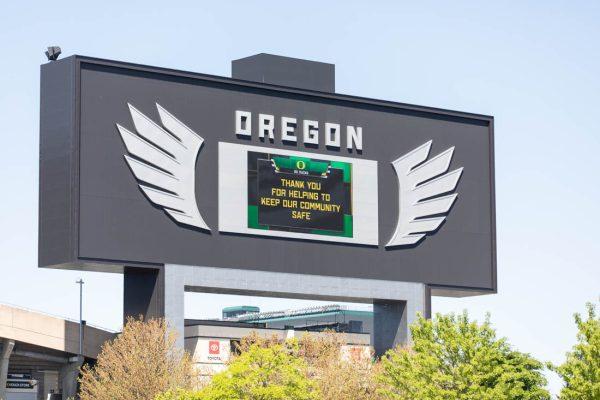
(156, 293)
(174, 281)
(50, 383)
(390, 327)
(143, 293)
(69, 373)
(7, 348)
(427, 311)
(392, 318)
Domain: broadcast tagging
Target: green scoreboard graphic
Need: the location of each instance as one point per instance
(299, 194)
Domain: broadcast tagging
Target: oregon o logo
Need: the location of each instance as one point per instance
(300, 164)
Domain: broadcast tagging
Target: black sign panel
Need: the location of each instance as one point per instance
(293, 200)
(299, 194)
(95, 215)
(19, 384)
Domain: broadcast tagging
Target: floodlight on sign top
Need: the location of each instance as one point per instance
(53, 52)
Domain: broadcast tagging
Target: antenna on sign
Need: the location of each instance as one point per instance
(80, 283)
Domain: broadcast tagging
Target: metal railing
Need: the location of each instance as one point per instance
(290, 312)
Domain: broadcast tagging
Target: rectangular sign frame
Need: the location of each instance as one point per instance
(465, 244)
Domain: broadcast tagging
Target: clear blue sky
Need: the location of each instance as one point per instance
(533, 65)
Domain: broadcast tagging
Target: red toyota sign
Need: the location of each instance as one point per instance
(214, 347)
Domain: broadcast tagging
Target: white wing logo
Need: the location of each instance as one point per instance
(421, 209)
(165, 159)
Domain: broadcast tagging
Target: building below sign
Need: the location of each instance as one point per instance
(212, 343)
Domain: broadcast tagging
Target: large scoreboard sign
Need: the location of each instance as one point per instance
(143, 166)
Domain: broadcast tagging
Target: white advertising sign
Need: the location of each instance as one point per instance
(355, 353)
(212, 351)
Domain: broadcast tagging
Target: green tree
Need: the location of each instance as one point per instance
(454, 358)
(276, 372)
(179, 394)
(581, 370)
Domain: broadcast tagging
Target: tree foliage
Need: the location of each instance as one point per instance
(315, 361)
(275, 372)
(179, 394)
(140, 363)
(338, 377)
(454, 358)
(581, 370)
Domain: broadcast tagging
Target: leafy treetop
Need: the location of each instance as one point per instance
(581, 370)
(455, 358)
